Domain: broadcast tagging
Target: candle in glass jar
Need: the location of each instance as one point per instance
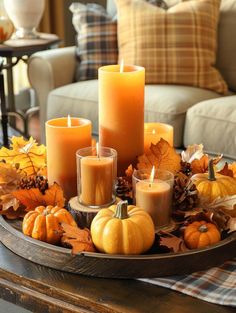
(63, 138)
(121, 112)
(96, 176)
(153, 132)
(154, 195)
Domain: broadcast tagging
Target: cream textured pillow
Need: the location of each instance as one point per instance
(176, 46)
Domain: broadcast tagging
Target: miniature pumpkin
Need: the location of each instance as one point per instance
(200, 234)
(44, 223)
(122, 229)
(211, 186)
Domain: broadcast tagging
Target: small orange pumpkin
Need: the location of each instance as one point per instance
(44, 223)
(200, 234)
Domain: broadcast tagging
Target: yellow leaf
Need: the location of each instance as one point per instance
(162, 156)
(27, 154)
(9, 178)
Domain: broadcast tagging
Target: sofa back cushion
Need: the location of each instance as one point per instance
(176, 46)
(226, 54)
(96, 39)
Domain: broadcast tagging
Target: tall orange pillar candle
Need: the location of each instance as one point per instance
(121, 112)
(62, 143)
(153, 132)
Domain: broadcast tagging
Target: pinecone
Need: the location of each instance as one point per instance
(123, 189)
(186, 168)
(37, 181)
(185, 195)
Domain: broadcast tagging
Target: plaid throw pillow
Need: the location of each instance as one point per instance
(96, 39)
(176, 46)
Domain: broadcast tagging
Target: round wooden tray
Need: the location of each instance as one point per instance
(114, 266)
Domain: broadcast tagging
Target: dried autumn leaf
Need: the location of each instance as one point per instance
(9, 201)
(9, 178)
(227, 204)
(162, 156)
(174, 243)
(232, 224)
(201, 165)
(11, 214)
(30, 157)
(78, 239)
(226, 170)
(193, 152)
(31, 198)
(232, 167)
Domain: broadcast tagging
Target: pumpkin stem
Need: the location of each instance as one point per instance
(122, 210)
(203, 229)
(211, 171)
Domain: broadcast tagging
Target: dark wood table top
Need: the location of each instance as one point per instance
(40, 289)
(21, 47)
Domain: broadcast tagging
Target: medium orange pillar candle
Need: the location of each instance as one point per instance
(62, 143)
(121, 112)
(153, 132)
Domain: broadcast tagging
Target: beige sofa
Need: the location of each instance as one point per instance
(198, 115)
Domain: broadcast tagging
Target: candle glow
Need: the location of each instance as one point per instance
(122, 66)
(68, 121)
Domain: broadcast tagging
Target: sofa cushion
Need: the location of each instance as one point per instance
(176, 46)
(163, 103)
(96, 39)
(226, 60)
(213, 123)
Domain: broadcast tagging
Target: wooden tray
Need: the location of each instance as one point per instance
(114, 266)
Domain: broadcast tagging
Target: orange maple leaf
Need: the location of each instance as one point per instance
(162, 156)
(31, 198)
(201, 165)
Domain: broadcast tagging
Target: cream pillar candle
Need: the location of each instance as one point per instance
(153, 132)
(62, 143)
(121, 112)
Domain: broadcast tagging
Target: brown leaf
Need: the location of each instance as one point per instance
(9, 201)
(31, 198)
(78, 239)
(27, 154)
(11, 214)
(162, 156)
(226, 170)
(174, 243)
(232, 167)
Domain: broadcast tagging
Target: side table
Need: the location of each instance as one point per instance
(11, 52)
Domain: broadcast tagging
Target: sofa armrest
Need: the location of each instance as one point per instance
(48, 70)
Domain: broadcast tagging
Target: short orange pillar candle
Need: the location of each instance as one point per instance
(121, 112)
(153, 132)
(62, 143)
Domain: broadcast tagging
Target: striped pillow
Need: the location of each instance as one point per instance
(96, 39)
(176, 46)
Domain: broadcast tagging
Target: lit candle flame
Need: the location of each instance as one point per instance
(68, 121)
(153, 131)
(151, 179)
(122, 66)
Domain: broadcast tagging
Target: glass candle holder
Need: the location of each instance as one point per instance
(154, 196)
(96, 176)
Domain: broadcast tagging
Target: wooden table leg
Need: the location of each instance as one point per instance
(4, 112)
